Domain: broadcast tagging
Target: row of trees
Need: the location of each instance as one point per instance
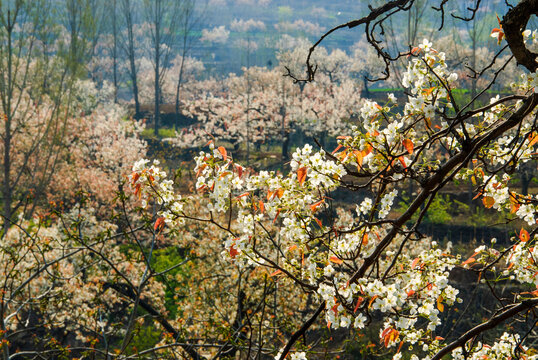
(260, 105)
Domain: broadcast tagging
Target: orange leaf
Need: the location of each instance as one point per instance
(524, 235)
(499, 34)
(233, 251)
(488, 201)
(386, 341)
(200, 170)
(477, 195)
(301, 175)
(533, 139)
(402, 161)
(533, 293)
(440, 305)
(279, 193)
(365, 238)
(318, 221)
(514, 204)
(336, 260)
(337, 148)
(386, 332)
(276, 216)
(408, 144)
(359, 156)
(222, 151)
(367, 150)
(239, 170)
(335, 309)
(262, 206)
(159, 224)
(137, 191)
(134, 177)
(468, 261)
(372, 300)
(359, 302)
(342, 155)
(428, 91)
(390, 336)
(276, 273)
(314, 207)
(293, 247)
(270, 194)
(415, 263)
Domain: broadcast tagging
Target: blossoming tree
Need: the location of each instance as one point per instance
(371, 264)
(261, 105)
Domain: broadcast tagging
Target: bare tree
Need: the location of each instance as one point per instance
(38, 64)
(163, 17)
(188, 21)
(129, 13)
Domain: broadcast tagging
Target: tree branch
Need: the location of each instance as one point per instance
(488, 325)
(513, 23)
(128, 292)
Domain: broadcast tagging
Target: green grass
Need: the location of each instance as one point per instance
(163, 133)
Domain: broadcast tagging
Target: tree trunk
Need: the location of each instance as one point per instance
(6, 187)
(138, 114)
(178, 88)
(115, 51)
(157, 47)
(7, 194)
(526, 178)
(365, 91)
(131, 55)
(157, 102)
(285, 147)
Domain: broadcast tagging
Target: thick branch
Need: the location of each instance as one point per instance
(514, 22)
(488, 325)
(296, 335)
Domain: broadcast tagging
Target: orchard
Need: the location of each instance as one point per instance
(112, 250)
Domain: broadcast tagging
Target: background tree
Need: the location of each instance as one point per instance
(188, 21)
(37, 68)
(163, 17)
(128, 11)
